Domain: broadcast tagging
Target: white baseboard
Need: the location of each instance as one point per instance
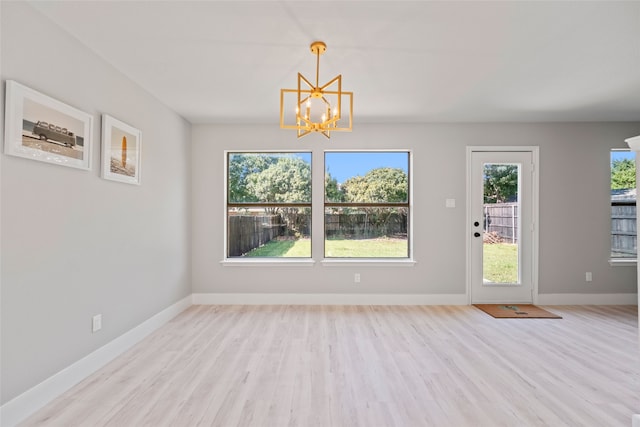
(588, 299)
(635, 420)
(35, 398)
(329, 299)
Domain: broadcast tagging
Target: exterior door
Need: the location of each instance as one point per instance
(501, 216)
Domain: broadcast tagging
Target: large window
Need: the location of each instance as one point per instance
(366, 206)
(268, 204)
(623, 205)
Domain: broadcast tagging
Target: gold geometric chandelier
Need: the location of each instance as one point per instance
(317, 108)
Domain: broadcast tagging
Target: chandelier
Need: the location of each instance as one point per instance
(318, 108)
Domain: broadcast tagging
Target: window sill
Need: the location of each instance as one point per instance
(268, 262)
(621, 262)
(368, 262)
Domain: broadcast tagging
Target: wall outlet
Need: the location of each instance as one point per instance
(356, 278)
(96, 323)
(588, 276)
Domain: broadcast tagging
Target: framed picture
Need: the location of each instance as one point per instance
(41, 128)
(121, 151)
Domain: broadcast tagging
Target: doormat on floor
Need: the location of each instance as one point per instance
(516, 311)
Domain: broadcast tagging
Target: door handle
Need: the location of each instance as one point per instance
(476, 234)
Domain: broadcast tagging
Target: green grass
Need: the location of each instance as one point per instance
(364, 248)
(500, 263)
(283, 248)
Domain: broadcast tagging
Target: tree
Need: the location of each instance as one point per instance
(332, 191)
(241, 166)
(381, 185)
(500, 183)
(623, 174)
(378, 185)
(286, 180)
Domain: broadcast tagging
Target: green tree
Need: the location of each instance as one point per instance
(623, 174)
(332, 191)
(378, 185)
(241, 166)
(500, 183)
(286, 180)
(381, 185)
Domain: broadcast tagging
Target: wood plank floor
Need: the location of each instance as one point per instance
(367, 366)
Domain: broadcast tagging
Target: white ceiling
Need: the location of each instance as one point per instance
(418, 61)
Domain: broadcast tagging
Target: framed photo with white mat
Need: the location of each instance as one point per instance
(121, 151)
(39, 127)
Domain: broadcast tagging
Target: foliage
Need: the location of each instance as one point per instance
(500, 183)
(378, 185)
(386, 185)
(285, 180)
(332, 191)
(277, 178)
(623, 174)
(241, 166)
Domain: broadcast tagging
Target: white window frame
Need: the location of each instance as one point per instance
(621, 261)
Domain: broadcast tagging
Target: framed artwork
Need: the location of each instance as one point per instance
(41, 128)
(121, 151)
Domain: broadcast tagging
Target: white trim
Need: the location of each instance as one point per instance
(587, 299)
(535, 245)
(268, 262)
(621, 262)
(38, 396)
(635, 419)
(329, 299)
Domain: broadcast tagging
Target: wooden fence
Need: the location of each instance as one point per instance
(623, 229)
(361, 225)
(247, 232)
(502, 219)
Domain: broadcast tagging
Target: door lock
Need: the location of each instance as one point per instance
(475, 224)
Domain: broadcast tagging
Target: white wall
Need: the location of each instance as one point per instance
(75, 245)
(574, 207)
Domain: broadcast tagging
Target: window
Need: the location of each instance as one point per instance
(623, 205)
(366, 206)
(268, 204)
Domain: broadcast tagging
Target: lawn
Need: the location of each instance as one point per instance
(500, 263)
(364, 248)
(500, 259)
(283, 248)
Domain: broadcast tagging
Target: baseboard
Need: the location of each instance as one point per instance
(588, 299)
(329, 299)
(35, 398)
(635, 420)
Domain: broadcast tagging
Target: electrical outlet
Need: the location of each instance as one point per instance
(588, 276)
(356, 278)
(96, 323)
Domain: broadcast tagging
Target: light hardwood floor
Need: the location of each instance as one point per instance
(367, 366)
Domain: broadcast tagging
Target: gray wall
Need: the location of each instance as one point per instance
(574, 207)
(73, 244)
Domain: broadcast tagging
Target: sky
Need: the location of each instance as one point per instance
(344, 165)
(620, 155)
